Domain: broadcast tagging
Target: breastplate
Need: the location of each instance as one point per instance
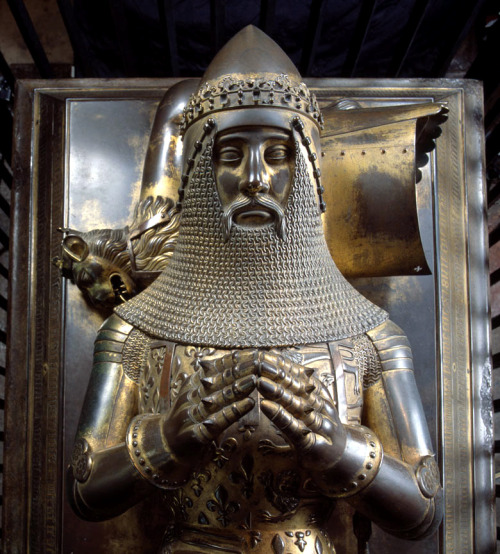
(250, 493)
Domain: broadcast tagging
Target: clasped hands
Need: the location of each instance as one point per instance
(212, 399)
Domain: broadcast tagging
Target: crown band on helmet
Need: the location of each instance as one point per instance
(233, 92)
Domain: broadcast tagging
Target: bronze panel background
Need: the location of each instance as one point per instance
(80, 146)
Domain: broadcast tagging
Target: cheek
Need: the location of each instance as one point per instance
(227, 183)
(281, 182)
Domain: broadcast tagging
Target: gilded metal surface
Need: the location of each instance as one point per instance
(468, 525)
(366, 173)
(259, 427)
(163, 162)
(210, 290)
(110, 266)
(370, 157)
(255, 78)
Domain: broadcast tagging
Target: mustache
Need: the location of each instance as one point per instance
(243, 203)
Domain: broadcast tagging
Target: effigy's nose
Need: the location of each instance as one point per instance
(257, 180)
(255, 187)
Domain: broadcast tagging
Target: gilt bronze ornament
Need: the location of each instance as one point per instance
(250, 384)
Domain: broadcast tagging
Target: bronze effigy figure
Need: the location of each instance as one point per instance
(251, 383)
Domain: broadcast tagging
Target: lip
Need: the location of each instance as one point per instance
(251, 216)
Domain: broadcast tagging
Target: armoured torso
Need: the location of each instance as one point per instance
(250, 493)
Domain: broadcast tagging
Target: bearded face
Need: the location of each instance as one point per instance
(254, 168)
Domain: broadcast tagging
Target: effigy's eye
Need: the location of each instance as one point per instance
(229, 154)
(278, 153)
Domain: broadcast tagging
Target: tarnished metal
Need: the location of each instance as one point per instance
(368, 168)
(162, 165)
(370, 156)
(254, 431)
(87, 123)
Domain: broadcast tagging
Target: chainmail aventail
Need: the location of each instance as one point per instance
(255, 290)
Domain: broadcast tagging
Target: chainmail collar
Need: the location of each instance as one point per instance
(255, 290)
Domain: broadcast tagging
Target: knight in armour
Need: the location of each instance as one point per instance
(251, 383)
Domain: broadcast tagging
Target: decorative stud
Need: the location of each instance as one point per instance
(197, 147)
(298, 125)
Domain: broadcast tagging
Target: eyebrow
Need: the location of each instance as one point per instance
(236, 135)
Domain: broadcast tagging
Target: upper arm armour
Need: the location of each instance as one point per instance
(392, 346)
(118, 353)
(401, 391)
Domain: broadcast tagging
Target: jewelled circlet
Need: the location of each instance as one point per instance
(232, 92)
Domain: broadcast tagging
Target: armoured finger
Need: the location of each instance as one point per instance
(213, 426)
(329, 409)
(282, 362)
(321, 388)
(189, 389)
(299, 386)
(321, 401)
(218, 400)
(198, 412)
(296, 405)
(317, 415)
(324, 422)
(318, 395)
(218, 365)
(228, 361)
(229, 375)
(291, 375)
(275, 360)
(294, 429)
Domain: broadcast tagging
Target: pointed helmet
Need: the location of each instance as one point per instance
(252, 82)
(251, 71)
